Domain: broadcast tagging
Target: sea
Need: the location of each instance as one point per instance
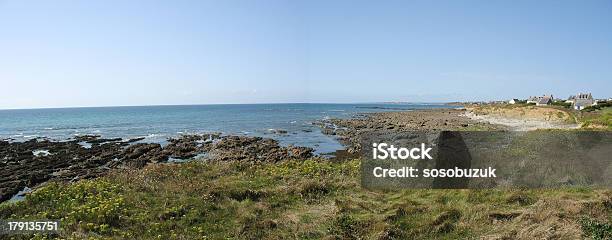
(158, 123)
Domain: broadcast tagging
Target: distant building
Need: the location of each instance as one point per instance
(545, 100)
(532, 99)
(582, 100)
(542, 100)
(513, 101)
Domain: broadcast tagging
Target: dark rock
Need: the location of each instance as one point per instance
(255, 149)
(139, 155)
(278, 131)
(135, 139)
(86, 138)
(300, 152)
(69, 161)
(328, 131)
(351, 131)
(103, 140)
(188, 146)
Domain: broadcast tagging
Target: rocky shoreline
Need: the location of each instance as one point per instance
(350, 131)
(34, 162)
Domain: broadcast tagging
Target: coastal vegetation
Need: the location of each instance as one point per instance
(520, 115)
(561, 104)
(256, 189)
(592, 117)
(311, 199)
(601, 118)
(599, 106)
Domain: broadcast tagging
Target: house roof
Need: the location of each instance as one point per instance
(544, 100)
(584, 96)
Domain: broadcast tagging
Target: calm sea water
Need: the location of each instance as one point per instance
(157, 123)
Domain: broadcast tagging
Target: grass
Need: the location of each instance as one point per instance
(598, 116)
(596, 230)
(313, 199)
(601, 119)
(563, 114)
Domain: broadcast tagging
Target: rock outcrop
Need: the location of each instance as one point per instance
(71, 161)
(350, 132)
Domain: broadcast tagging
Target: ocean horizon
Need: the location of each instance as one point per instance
(289, 123)
(230, 104)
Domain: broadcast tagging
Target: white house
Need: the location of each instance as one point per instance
(582, 100)
(513, 101)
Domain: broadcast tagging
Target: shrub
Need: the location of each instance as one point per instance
(90, 205)
(602, 118)
(562, 104)
(599, 106)
(596, 230)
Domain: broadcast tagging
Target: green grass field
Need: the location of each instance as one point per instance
(314, 199)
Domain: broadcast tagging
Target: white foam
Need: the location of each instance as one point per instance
(154, 135)
(41, 153)
(85, 145)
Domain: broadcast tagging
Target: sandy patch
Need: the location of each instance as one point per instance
(518, 124)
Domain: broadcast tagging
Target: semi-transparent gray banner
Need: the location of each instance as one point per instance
(481, 159)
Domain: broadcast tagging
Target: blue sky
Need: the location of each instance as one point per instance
(107, 53)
